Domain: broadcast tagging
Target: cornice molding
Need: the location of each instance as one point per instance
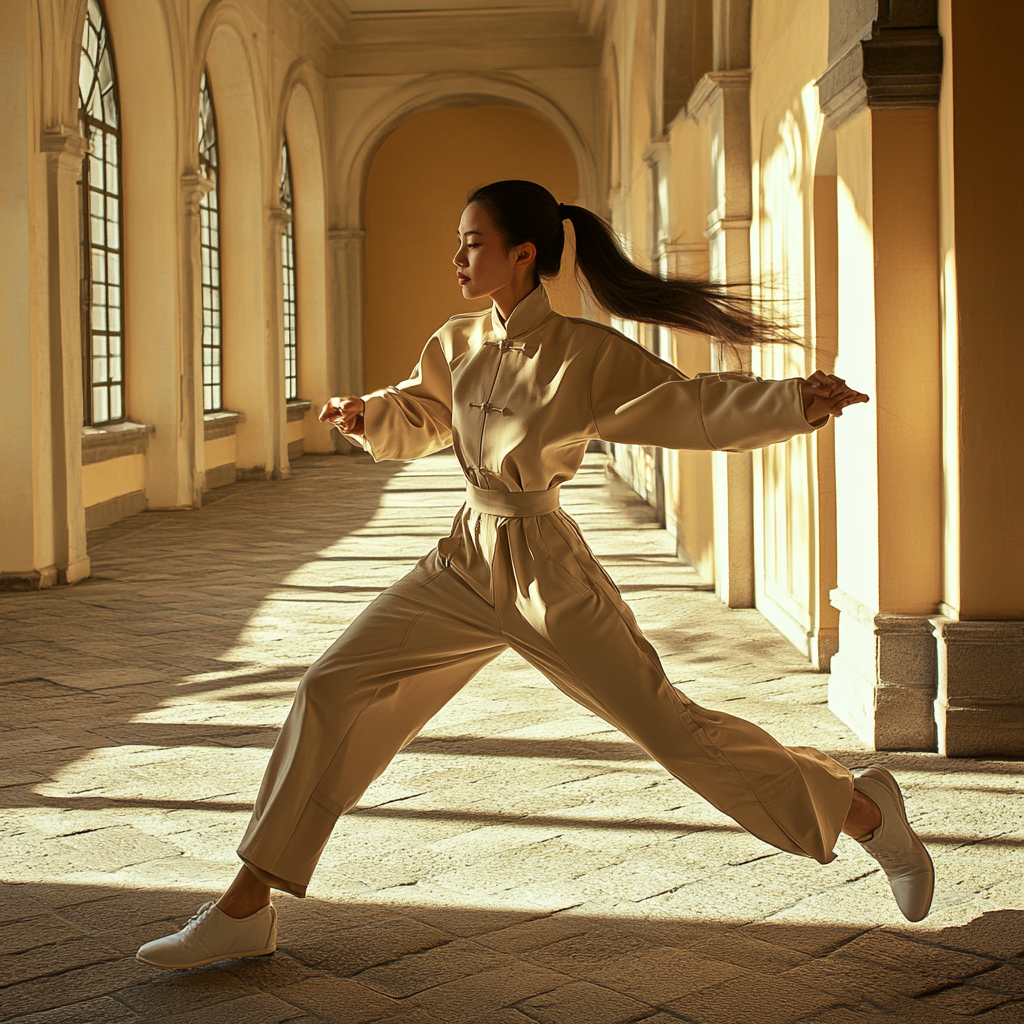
(897, 66)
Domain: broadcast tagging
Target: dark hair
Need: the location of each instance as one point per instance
(524, 211)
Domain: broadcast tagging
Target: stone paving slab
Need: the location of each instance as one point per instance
(519, 862)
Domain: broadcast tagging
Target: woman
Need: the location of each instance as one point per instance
(518, 391)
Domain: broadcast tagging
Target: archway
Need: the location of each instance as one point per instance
(416, 188)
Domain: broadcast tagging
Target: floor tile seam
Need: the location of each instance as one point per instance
(115, 958)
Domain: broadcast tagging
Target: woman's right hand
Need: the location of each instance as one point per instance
(344, 413)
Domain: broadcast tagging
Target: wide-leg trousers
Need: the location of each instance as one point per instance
(424, 638)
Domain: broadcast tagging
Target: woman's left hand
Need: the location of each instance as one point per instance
(827, 395)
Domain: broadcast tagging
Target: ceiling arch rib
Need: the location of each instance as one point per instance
(448, 90)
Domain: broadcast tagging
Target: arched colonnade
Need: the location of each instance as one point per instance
(265, 89)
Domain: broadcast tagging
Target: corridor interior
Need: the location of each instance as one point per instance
(520, 861)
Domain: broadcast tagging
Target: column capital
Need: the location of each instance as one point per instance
(893, 61)
(68, 145)
(279, 218)
(194, 187)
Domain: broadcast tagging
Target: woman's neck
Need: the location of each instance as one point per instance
(507, 298)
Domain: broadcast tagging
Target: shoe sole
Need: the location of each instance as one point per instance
(209, 960)
(888, 780)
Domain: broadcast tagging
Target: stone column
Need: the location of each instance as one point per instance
(726, 97)
(979, 710)
(346, 295)
(278, 464)
(64, 149)
(880, 95)
(194, 187)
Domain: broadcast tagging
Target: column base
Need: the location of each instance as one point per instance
(50, 576)
(979, 709)
(883, 681)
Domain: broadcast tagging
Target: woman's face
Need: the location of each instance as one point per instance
(482, 264)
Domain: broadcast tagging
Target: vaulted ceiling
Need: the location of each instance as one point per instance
(375, 37)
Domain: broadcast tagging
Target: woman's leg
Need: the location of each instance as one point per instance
(585, 639)
(395, 667)
(391, 671)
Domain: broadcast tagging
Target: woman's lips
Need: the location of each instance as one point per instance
(461, 277)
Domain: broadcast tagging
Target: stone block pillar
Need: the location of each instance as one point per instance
(724, 98)
(880, 95)
(346, 263)
(979, 708)
(42, 518)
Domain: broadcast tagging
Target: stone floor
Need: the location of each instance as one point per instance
(519, 862)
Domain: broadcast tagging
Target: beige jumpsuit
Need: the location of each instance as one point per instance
(519, 402)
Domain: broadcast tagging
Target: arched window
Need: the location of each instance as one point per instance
(288, 273)
(209, 247)
(102, 291)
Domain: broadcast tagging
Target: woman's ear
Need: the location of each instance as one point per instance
(526, 255)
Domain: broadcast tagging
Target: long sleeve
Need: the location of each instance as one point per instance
(637, 398)
(414, 418)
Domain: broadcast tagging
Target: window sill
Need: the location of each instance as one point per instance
(297, 408)
(114, 440)
(221, 424)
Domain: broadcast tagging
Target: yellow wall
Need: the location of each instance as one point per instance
(102, 481)
(221, 451)
(982, 205)
(414, 197)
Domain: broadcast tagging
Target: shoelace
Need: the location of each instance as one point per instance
(199, 915)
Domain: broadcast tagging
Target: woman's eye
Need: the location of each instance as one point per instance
(472, 245)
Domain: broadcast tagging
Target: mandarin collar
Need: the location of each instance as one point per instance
(531, 312)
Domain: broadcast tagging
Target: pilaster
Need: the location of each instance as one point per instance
(724, 98)
(880, 94)
(194, 187)
(278, 464)
(346, 263)
(64, 150)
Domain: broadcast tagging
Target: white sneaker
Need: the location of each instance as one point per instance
(896, 847)
(211, 935)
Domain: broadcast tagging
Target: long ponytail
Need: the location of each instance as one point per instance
(524, 211)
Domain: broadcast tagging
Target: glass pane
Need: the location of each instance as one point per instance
(99, 295)
(113, 268)
(116, 408)
(111, 148)
(100, 409)
(99, 318)
(96, 164)
(113, 213)
(99, 267)
(114, 368)
(114, 296)
(99, 368)
(115, 319)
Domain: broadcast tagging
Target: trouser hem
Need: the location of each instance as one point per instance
(274, 881)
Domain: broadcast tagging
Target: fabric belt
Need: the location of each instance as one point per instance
(512, 504)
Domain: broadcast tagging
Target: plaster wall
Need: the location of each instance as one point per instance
(102, 481)
(220, 451)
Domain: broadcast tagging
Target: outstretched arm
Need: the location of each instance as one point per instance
(637, 398)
